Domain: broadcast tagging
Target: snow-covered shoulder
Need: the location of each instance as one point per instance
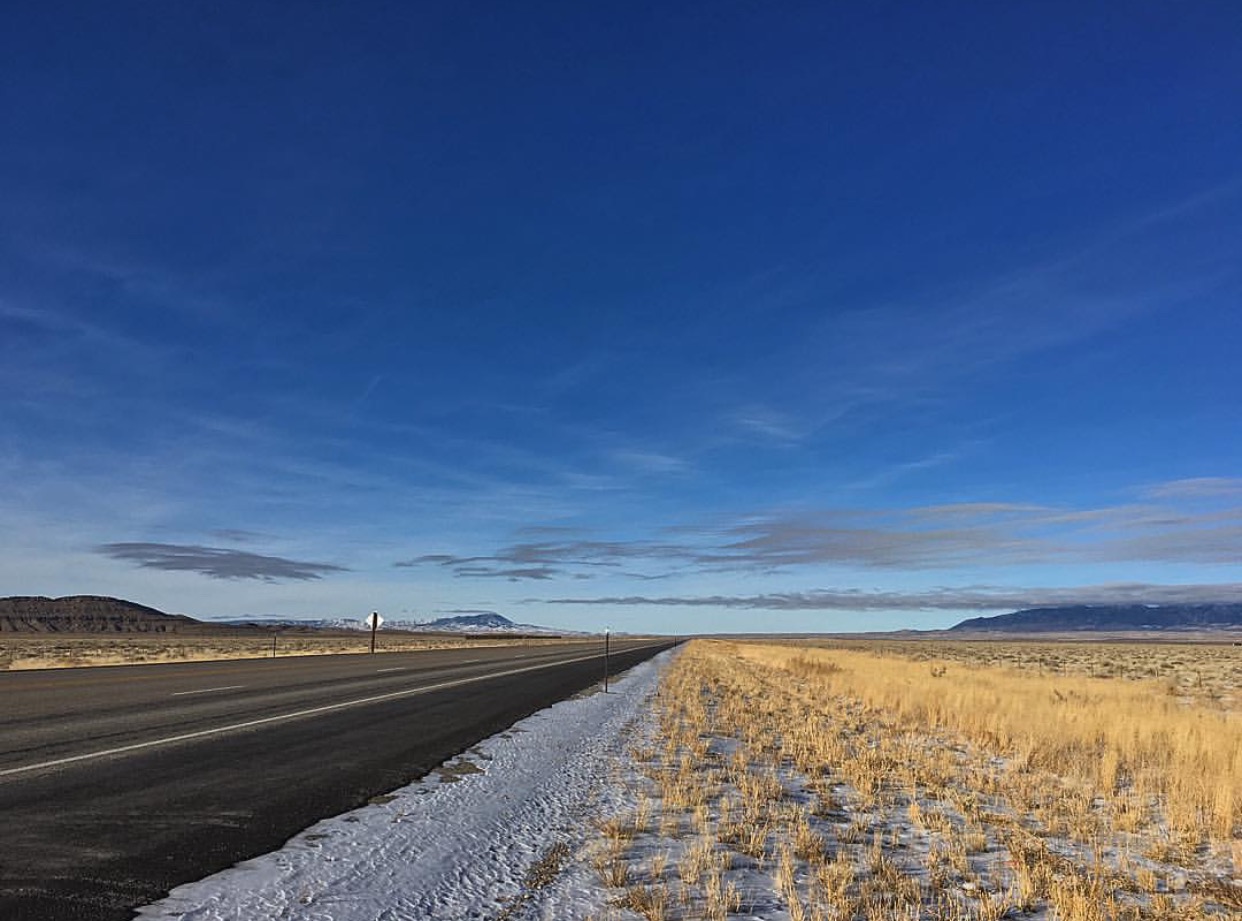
(472, 840)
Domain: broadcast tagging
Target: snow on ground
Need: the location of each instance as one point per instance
(496, 833)
(713, 818)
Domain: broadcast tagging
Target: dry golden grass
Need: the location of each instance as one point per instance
(1127, 740)
(876, 786)
(27, 651)
(1204, 671)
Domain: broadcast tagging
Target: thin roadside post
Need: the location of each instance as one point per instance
(375, 622)
(606, 632)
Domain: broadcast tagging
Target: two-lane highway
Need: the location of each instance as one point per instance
(54, 715)
(117, 784)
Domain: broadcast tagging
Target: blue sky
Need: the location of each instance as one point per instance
(680, 317)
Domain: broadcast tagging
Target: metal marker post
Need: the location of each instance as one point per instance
(375, 622)
(606, 631)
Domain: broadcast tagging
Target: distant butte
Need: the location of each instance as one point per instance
(87, 614)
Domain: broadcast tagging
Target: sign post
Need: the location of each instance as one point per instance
(606, 632)
(373, 620)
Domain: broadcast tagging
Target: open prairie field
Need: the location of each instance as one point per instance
(946, 781)
(23, 651)
(1209, 672)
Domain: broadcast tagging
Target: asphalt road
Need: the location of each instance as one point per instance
(117, 784)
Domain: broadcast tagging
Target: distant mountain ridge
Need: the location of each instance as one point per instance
(482, 622)
(102, 614)
(86, 614)
(1110, 617)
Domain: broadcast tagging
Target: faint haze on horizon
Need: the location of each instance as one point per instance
(692, 318)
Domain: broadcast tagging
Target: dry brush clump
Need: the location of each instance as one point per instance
(828, 784)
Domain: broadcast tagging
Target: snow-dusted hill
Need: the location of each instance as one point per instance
(482, 622)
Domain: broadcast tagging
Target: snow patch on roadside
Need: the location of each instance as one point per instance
(465, 843)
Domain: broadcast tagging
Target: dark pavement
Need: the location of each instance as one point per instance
(106, 805)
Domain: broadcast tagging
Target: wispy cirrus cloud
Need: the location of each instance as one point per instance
(768, 424)
(236, 535)
(55, 354)
(1175, 528)
(894, 472)
(547, 559)
(649, 462)
(879, 357)
(216, 562)
(973, 598)
(962, 510)
(513, 574)
(988, 534)
(1206, 487)
(781, 542)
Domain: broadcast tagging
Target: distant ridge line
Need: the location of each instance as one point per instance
(486, 623)
(1109, 617)
(104, 614)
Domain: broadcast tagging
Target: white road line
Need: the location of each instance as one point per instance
(227, 687)
(248, 724)
(395, 668)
